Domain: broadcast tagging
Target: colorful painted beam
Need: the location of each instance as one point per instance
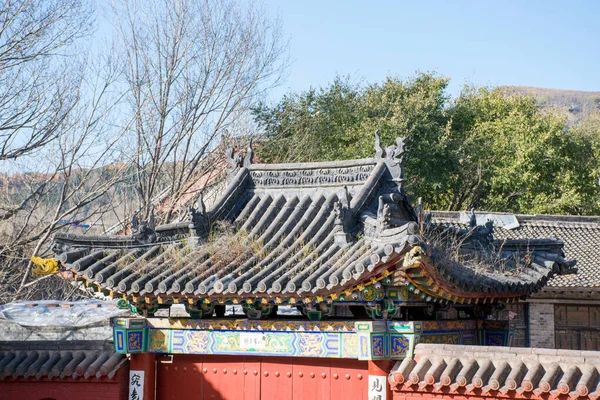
(363, 340)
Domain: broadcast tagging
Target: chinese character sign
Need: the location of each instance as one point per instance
(377, 388)
(253, 340)
(136, 385)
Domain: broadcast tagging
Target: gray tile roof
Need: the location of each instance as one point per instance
(503, 371)
(60, 360)
(581, 237)
(302, 230)
(289, 214)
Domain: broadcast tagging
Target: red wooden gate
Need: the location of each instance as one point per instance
(197, 377)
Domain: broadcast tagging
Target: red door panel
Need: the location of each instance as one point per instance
(180, 379)
(311, 379)
(252, 383)
(224, 379)
(277, 378)
(197, 377)
(349, 379)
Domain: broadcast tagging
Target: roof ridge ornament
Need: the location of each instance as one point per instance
(198, 220)
(394, 156)
(249, 155)
(482, 234)
(237, 161)
(343, 218)
(151, 219)
(143, 230)
(135, 220)
(384, 215)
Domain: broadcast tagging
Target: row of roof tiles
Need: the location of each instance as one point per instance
(293, 251)
(36, 364)
(303, 230)
(490, 370)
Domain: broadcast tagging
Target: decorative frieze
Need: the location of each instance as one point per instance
(355, 175)
(363, 340)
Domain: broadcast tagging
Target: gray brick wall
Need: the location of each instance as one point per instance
(541, 325)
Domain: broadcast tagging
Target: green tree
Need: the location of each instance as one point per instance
(512, 157)
(312, 125)
(484, 149)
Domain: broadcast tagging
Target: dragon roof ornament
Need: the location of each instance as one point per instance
(393, 156)
(237, 161)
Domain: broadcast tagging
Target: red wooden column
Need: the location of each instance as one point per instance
(381, 369)
(144, 362)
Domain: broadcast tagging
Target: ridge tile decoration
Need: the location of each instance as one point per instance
(580, 235)
(313, 236)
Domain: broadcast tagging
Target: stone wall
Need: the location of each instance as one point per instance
(541, 325)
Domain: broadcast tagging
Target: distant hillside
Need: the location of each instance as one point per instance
(575, 104)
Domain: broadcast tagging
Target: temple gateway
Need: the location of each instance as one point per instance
(369, 279)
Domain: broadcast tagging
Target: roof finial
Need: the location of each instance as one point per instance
(473, 219)
(200, 204)
(135, 221)
(151, 221)
(249, 155)
(393, 156)
(378, 148)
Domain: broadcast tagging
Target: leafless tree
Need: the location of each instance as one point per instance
(75, 179)
(56, 137)
(36, 38)
(78, 134)
(193, 68)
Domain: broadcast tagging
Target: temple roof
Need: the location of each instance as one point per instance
(311, 230)
(580, 235)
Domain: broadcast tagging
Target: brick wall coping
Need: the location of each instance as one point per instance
(499, 372)
(25, 360)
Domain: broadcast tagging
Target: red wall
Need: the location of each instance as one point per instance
(67, 389)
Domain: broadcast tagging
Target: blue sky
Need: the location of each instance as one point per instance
(531, 43)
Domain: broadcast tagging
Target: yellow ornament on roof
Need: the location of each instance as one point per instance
(47, 266)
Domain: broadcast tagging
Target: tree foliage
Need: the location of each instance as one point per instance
(483, 149)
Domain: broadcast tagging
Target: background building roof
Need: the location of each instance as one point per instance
(581, 237)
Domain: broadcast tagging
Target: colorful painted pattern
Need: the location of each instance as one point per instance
(290, 344)
(363, 340)
(252, 325)
(400, 345)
